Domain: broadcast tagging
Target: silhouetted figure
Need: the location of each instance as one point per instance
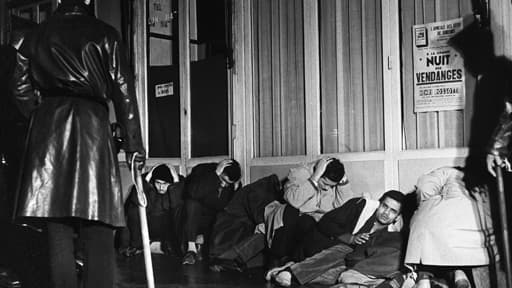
(492, 93)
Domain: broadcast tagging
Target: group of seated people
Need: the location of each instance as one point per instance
(312, 228)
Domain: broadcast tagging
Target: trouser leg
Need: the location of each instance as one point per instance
(99, 255)
(61, 255)
(288, 240)
(133, 225)
(199, 219)
(250, 247)
(317, 268)
(284, 242)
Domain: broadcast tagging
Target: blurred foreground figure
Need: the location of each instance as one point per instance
(67, 71)
(490, 125)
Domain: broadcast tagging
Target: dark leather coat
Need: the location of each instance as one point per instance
(78, 66)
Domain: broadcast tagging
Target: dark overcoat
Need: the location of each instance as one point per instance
(77, 65)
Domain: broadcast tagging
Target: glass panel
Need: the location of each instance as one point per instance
(209, 98)
(163, 80)
(279, 103)
(351, 76)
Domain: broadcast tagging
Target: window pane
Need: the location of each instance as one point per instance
(209, 98)
(163, 80)
(279, 103)
(351, 76)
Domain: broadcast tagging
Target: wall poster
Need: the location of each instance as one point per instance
(160, 17)
(438, 68)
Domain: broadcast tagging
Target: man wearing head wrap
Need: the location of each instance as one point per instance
(163, 188)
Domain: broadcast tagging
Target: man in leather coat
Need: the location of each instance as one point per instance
(67, 71)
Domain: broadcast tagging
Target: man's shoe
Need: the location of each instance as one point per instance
(131, 251)
(461, 280)
(190, 258)
(274, 271)
(463, 283)
(219, 265)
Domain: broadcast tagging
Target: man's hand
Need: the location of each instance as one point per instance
(175, 176)
(496, 160)
(320, 167)
(140, 159)
(223, 164)
(360, 238)
(237, 185)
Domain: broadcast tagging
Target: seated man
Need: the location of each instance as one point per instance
(163, 188)
(448, 231)
(208, 189)
(367, 245)
(312, 190)
(237, 240)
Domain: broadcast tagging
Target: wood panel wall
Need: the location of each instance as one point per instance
(443, 129)
(279, 96)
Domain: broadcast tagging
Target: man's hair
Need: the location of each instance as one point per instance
(233, 171)
(395, 195)
(334, 171)
(162, 172)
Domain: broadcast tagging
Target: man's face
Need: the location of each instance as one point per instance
(388, 211)
(224, 181)
(325, 183)
(161, 186)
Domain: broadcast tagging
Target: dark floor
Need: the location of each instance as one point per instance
(169, 272)
(23, 256)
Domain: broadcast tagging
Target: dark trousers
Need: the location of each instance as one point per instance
(159, 227)
(288, 240)
(324, 267)
(249, 251)
(199, 220)
(98, 253)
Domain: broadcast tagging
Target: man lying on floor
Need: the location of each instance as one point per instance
(359, 242)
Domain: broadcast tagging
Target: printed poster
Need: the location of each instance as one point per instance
(160, 17)
(438, 68)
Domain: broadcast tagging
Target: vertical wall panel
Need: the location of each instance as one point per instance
(352, 113)
(342, 71)
(279, 99)
(328, 76)
(255, 78)
(278, 57)
(265, 78)
(372, 77)
(409, 118)
(355, 99)
(427, 121)
(299, 115)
